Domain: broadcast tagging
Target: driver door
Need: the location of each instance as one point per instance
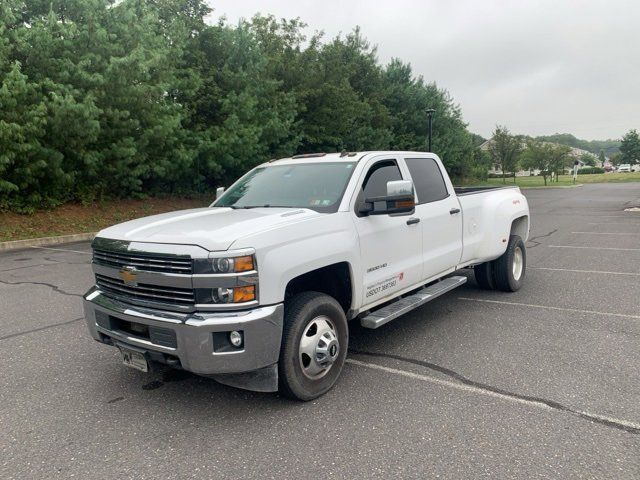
(390, 245)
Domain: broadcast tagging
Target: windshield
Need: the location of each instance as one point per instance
(318, 186)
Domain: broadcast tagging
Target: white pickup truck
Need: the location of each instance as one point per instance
(256, 291)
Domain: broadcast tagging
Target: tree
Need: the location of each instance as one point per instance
(560, 159)
(477, 140)
(538, 155)
(593, 146)
(602, 158)
(630, 148)
(407, 99)
(505, 150)
(126, 98)
(480, 165)
(615, 159)
(589, 159)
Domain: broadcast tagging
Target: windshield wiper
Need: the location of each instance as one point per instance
(247, 207)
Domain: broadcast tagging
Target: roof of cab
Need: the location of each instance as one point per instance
(336, 157)
(320, 158)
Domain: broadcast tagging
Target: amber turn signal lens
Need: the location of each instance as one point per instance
(243, 264)
(244, 294)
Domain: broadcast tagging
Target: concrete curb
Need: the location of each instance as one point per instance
(542, 187)
(44, 241)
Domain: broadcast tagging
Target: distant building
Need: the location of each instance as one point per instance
(575, 153)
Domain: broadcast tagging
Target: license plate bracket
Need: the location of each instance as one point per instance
(134, 359)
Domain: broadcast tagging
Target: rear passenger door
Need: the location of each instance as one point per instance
(440, 216)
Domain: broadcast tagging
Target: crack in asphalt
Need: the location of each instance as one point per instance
(23, 267)
(46, 327)
(55, 288)
(53, 262)
(67, 263)
(534, 239)
(612, 423)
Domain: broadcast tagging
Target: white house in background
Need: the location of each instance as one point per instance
(495, 168)
(576, 153)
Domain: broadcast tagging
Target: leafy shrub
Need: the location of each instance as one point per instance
(590, 170)
(103, 99)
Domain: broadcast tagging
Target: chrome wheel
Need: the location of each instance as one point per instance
(518, 263)
(319, 347)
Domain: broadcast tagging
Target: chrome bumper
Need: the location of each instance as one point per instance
(194, 334)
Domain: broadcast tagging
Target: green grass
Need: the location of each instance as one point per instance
(566, 180)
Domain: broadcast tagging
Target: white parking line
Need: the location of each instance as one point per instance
(598, 248)
(606, 233)
(489, 393)
(549, 307)
(614, 223)
(446, 383)
(63, 250)
(630, 215)
(584, 271)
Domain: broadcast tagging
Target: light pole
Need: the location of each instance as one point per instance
(430, 113)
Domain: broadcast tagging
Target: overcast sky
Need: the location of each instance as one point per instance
(538, 67)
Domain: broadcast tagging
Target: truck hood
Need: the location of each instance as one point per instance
(210, 228)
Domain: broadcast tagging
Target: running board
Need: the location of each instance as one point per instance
(377, 318)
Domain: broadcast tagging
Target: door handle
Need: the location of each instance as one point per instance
(453, 211)
(413, 221)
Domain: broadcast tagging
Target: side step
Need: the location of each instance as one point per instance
(377, 318)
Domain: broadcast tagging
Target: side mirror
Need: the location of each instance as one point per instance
(399, 199)
(219, 192)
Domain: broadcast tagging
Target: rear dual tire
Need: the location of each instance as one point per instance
(507, 272)
(484, 276)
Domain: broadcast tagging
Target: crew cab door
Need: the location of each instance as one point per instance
(390, 244)
(440, 215)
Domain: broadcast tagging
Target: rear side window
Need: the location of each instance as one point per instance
(427, 179)
(375, 183)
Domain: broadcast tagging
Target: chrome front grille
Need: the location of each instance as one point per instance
(144, 261)
(184, 297)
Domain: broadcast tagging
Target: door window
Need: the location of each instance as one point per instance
(375, 183)
(427, 179)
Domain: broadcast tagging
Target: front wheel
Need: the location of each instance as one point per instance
(314, 345)
(509, 269)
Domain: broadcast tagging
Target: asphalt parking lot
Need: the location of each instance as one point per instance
(541, 383)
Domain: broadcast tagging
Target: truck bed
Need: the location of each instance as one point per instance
(487, 215)
(473, 190)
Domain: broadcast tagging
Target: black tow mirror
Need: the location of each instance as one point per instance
(399, 199)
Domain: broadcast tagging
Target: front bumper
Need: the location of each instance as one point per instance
(191, 345)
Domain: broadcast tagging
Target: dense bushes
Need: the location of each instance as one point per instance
(101, 98)
(590, 170)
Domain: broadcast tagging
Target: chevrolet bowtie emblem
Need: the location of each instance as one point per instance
(128, 275)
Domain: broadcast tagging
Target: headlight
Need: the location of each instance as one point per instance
(224, 295)
(226, 278)
(245, 263)
(222, 265)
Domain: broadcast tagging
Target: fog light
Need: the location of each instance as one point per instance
(235, 338)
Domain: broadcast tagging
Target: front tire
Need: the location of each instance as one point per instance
(509, 269)
(314, 345)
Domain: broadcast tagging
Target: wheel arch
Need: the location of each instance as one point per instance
(520, 227)
(335, 280)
